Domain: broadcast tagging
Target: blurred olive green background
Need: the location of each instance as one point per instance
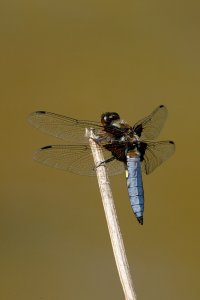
(82, 58)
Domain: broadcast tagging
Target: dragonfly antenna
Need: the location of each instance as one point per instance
(112, 220)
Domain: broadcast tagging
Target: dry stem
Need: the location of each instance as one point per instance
(112, 221)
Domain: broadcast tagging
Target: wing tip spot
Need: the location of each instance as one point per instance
(46, 147)
(40, 112)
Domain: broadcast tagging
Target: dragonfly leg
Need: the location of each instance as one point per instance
(106, 161)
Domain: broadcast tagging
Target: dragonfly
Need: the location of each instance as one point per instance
(132, 149)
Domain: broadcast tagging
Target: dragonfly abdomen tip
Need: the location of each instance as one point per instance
(140, 220)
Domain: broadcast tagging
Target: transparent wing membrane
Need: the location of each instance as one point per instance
(155, 154)
(66, 128)
(150, 127)
(76, 159)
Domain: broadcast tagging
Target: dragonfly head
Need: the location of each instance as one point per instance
(109, 118)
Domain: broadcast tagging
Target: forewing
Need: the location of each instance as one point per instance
(155, 154)
(149, 128)
(63, 127)
(75, 159)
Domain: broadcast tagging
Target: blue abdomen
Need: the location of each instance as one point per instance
(135, 186)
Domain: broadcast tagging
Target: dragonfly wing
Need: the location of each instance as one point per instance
(149, 128)
(75, 159)
(66, 128)
(155, 154)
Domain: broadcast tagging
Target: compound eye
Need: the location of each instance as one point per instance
(109, 117)
(106, 118)
(114, 116)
